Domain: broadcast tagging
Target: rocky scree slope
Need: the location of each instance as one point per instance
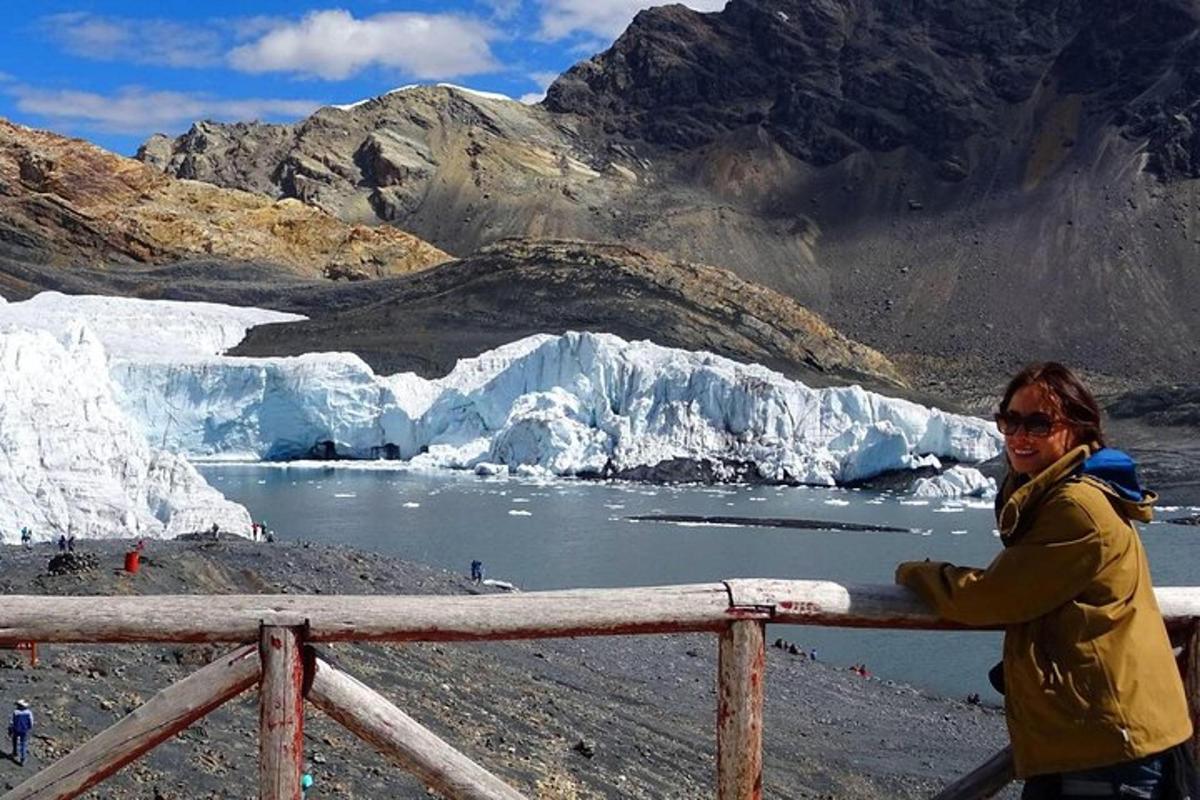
(559, 719)
(427, 321)
(64, 203)
(961, 186)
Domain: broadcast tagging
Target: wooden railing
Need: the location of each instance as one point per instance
(276, 634)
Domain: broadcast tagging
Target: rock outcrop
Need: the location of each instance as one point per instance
(67, 203)
(962, 186)
(428, 321)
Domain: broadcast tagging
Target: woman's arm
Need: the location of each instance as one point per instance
(1053, 562)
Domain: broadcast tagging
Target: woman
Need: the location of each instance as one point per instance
(1094, 701)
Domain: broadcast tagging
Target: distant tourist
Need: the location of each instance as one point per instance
(270, 537)
(62, 543)
(27, 537)
(1094, 699)
(19, 729)
(476, 571)
(71, 542)
(812, 654)
(215, 530)
(306, 783)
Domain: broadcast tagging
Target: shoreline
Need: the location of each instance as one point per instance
(645, 706)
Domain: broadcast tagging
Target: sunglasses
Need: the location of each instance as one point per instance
(1035, 424)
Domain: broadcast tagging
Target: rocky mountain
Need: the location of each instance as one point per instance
(64, 202)
(427, 321)
(963, 186)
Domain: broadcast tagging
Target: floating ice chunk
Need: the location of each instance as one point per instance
(958, 481)
(519, 512)
(502, 585)
(411, 504)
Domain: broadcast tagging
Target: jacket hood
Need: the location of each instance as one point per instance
(1111, 471)
(1116, 473)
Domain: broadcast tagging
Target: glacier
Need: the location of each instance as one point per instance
(105, 400)
(575, 404)
(71, 461)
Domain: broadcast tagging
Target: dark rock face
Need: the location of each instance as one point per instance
(1161, 406)
(830, 78)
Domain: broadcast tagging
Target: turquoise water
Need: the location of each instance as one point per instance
(560, 534)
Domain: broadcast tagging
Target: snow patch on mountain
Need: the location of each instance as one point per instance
(152, 330)
(464, 89)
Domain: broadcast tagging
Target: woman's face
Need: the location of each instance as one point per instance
(1029, 455)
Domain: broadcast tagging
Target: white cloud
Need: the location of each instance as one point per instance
(142, 41)
(543, 81)
(335, 45)
(503, 9)
(134, 110)
(607, 18)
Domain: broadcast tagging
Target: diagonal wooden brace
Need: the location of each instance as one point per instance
(373, 718)
(160, 718)
(984, 781)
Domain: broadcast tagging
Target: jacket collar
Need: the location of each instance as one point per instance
(1019, 496)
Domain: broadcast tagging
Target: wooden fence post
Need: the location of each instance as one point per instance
(281, 713)
(740, 666)
(1191, 680)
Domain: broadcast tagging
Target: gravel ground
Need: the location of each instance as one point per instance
(613, 717)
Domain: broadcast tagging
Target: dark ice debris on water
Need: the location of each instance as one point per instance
(773, 522)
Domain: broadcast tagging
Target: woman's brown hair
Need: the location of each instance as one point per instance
(1076, 403)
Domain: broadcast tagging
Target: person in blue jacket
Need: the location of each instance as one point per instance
(20, 727)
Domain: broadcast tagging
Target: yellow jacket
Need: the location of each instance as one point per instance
(1090, 679)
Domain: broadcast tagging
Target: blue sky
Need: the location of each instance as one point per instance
(116, 71)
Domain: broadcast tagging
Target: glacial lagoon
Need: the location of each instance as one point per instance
(560, 534)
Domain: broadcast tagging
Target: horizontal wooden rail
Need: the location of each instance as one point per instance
(332, 618)
(529, 615)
